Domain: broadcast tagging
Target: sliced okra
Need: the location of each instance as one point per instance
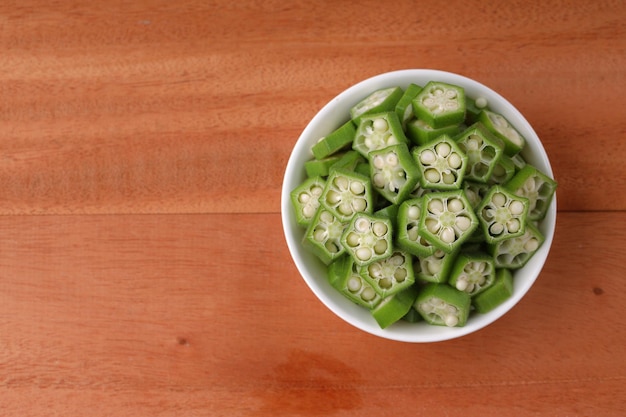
(390, 275)
(502, 214)
(344, 276)
(472, 273)
(473, 109)
(404, 107)
(347, 193)
(349, 160)
(394, 307)
(500, 126)
(536, 186)
(412, 316)
(442, 305)
(496, 294)
(440, 104)
(368, 238)
(483, 152)
(383, 100)
(420, 132)
(503, 171)
(324, 236)
(519, 161)
(305, 199)
(320, 167)
(515, 252)
(336, 141)
(377, 131)
(447, 219)
(393, 172)
(442, 164)
(475, 192)
(434, 268)
(408, 237)
(389, 212)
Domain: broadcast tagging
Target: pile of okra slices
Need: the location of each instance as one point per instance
(421, 205)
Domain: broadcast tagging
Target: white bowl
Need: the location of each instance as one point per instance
(331, 116)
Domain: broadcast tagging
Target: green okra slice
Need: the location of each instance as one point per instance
(377, 131)
(472, 273)
(320, 167)
(500, 126)
(408, 237)
(515, 252)
(536, 186)
(336, 141)
(440, 104)
(473, 109)
(393, 172)
(483, 152)
(503, 170)
(442, 164)
(346, 193)
(502, 214)
(442, 305)
(368, 238)
(420, 133)
(475, 192)
(394, 307)
(380, 101)
(412, 316)
(305, 199)
(390, 275)
(323, 235)
(447, 219)
(389, 212)
(404, 107)
(434, 268)
(344, 276)
(349, 160)
(496, 294)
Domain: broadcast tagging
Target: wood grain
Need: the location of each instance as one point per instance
(143, 269)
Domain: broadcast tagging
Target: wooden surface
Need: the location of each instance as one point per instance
(143, 269)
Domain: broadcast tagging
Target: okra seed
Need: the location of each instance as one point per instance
(413, 213)
(516, 207)
(317, 191)
(342, 183)
(432, 175)
(454, 160)
(364, 254)
(333, 197)
(433, 267)
(396, 260)
(304, 198)
(455, 205)
(498, 199)
(470, 287)
(379, 180)
(385, 283)
(362, 225)
(447, 235)
(354, 284)
(400, 274)
(359, 205)
(481, 102)
(450, 93)
(375, 270)
(352, 239)
(326, 217)
(463, 222)
(473, 143)
(435, 206)
(513, 225)
(428, 157)
(368, 294)
(392, 159)
(345, 208)
(448, 178)
(357, 187)
(496, 229)
(432, 225)
(331, 247)
(413, 234)
(531, 245)
(451, 320)
(380, 125)
(378, 162)
(380, 247)
(461, 284)
(319, 235)
(308, 211)
(379, 228)
(443, 149)
(426, 307)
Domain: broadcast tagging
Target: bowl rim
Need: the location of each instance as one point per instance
(327, 118)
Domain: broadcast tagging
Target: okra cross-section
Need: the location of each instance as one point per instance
(323, 235)
(500, 126)
(496, 294)
(440, 104)
(536, 186)
(394, 307)
(390, 275)
(502, 214)
(442, 305)
(434, 268)
(408, 236)
(472, 273)
(447, 219)
(377, 131)
(383, 100)
(393, 172)
(368, 238)
(442, 164)
(483, 152)
(346, 193)
(515, 252)
(305, 199)
(344, 276)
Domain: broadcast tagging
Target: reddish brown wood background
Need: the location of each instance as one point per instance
(143, 269)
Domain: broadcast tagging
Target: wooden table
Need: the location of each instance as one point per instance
(143, 269)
